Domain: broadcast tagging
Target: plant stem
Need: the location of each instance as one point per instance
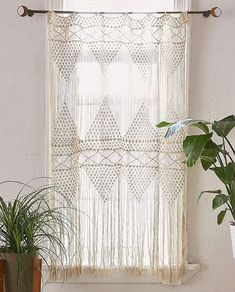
(225, 157)
(232, 195)
(231, 210)
(220, 160)
(230, 158)
(224, 137)
(229, 143)
(230, 188)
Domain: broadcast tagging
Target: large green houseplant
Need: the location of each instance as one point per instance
(216, 153)
(30, 228)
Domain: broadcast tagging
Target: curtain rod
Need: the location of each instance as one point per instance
(24, 11)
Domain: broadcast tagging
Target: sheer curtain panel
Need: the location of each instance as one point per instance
(112, 79)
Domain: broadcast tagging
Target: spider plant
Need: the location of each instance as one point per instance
(214, 149)
(31, 225)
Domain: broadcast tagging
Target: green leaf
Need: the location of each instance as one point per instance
(202, 126)
(220, 216)
(219, 200)
(225, 173)
(163, 124)
(193, 147)
(224, 126)
(209, 192)
(175, 127)
(207, 160)
(209, 153)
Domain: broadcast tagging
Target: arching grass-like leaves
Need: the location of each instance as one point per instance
(30, 224)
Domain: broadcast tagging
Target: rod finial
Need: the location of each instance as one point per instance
(23, 11)
(216, 12)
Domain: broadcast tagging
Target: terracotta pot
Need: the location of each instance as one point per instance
(232, 232)
(18, 272)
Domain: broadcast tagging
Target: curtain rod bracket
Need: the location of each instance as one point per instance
(25, 11)
(206, 13)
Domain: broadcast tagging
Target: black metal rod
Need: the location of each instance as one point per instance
(24, 11)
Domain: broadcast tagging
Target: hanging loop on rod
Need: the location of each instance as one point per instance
(25, 11)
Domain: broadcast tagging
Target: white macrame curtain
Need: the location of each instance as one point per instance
(112, 79)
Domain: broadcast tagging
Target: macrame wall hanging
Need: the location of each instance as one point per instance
(112, 79)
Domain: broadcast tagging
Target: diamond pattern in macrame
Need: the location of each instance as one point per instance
(141, 135)
(105, 52)
(104, 132)
(65, 140)
(105, 138)
(139, 179)
(142, 55)
(105, 36)
(172, 183)
(65, 54)
(67, 181)
(140, 142)
(104, 154)
(171, 170)
(172, 54)
(103, 178)
(65, 148)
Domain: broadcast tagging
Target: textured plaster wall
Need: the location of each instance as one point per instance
(212, 91)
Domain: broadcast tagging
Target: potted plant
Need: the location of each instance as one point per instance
(30, 229)
(214, 149)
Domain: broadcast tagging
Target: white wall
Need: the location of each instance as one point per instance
(212, 90)
(22, 93)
